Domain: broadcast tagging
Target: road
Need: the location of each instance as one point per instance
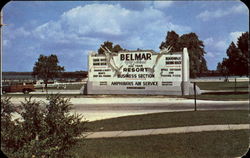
(109, 107)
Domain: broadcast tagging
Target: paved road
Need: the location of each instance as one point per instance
(104, 107)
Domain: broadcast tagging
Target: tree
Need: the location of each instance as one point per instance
(195, 50)
(109, 45)
(222, 68)
(242, 44)
(44, 129)
(196, 53)
(47, 68)
(172, 39)
(238, 57)
(117, 48)
(238, 62)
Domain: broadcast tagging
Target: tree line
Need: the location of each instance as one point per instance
(236, 64)
(191, 41)
(237, 60)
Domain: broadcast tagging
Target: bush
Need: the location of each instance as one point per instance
(43, 129)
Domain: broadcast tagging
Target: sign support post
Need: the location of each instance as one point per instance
(195, 109)
(235, 82)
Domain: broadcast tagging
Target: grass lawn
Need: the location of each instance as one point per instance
(222, 85)
(191, 145)
(170, 119)
(223, 144)
(221, 96)
(208, 96)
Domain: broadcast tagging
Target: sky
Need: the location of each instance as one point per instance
(71, 29)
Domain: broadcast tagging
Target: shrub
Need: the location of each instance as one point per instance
(43, 129)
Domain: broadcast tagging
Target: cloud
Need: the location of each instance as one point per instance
(216, 47)
(235, 35)
(221, 45)
(214, 14)
(13, 33)
(93, 23)
(49, 30)
(135, 5)
(6, 43)
(216, 44)
(240, 9)
(210, 54)
(207, 15)
(209, 41)
(162, 4)
(96, 18)
(87, 27)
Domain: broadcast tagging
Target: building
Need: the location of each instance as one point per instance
(139, 72)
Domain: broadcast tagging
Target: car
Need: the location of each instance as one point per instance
(25, 88)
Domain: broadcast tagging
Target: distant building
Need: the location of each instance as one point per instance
(13, 77)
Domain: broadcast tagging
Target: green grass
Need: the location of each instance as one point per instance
(170, 119)
(221, 96)
(223, 144)
(222, 85)
(207, 96)
(191, 145)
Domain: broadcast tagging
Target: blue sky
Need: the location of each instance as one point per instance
(72, 29)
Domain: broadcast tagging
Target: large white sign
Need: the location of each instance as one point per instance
(135, 70)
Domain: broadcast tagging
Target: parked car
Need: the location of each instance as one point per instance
(25, 88)
(50, 84)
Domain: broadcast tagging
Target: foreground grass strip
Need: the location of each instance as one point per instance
(190, 145)
(221, 97)
(207, 96)
(170, 119)
(222, 85)
(187, 129)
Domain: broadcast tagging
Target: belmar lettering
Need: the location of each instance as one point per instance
(135, 56)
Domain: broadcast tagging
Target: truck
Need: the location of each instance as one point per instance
(25, 88)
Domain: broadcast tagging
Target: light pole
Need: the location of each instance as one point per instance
(1, 47)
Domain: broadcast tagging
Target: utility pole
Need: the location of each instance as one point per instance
(1, 48)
